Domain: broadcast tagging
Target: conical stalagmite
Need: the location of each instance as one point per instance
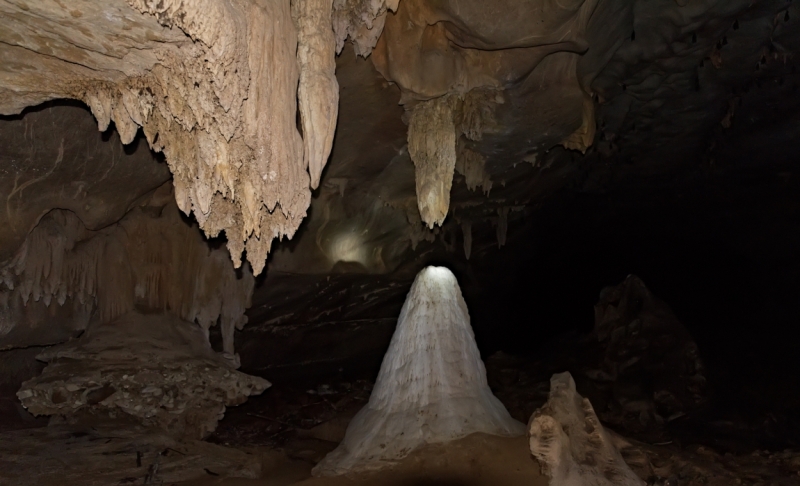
(570, 443)
(431, 387)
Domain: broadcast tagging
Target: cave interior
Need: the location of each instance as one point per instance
(610, 182)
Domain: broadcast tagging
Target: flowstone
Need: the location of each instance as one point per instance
(568, 440)
(431, 388)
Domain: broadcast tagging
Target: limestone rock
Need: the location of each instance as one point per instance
(362, 21)
(432, 146)
(431, 388)
(150, 260)
(318, 93)
(155, 368)
(212, 84)
(641, 347)
(573, 448)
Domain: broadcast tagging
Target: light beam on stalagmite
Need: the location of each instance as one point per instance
(431, 388)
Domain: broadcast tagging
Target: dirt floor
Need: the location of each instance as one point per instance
(476, 460)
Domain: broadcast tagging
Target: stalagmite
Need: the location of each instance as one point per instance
(466, 228)
(573, 448)
(431, 388)
(318, 92)
(432, 147)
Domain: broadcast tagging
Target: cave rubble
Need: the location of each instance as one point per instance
(156, 369)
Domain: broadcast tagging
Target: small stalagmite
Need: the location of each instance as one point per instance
(431, 388)
(568, 440)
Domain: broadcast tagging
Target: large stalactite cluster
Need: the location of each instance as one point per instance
(214, 86)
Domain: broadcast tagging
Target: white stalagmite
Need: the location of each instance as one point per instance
(431, 388)
(568, 440)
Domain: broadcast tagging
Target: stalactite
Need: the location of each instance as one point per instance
(502, 226)
(583, 138)
(318, 92)
(432, 147)
(157, 263)
(362, 21)
(219, 101)
(472, 166)
(466, 228)
(433, 131)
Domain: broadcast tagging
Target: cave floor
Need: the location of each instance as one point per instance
(279, 436)
(476, 460)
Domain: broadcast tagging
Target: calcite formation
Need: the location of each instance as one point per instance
(154, 368)
(431, 388)
(150, 260)
(569, 442)
(318, 92)
(432, 146)
(214, 85)
(362, 21)
(472, 165)
(434, 130)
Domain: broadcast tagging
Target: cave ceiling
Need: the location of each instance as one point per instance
(447, 122)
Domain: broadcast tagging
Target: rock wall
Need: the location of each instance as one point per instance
(152, 260)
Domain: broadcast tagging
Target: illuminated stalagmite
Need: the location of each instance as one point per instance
(432, 384)
(568, 440)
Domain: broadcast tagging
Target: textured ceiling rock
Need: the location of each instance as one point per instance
(438, 50)
(214, 85)
(362, 21)
(53, 157)
(150, 260)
